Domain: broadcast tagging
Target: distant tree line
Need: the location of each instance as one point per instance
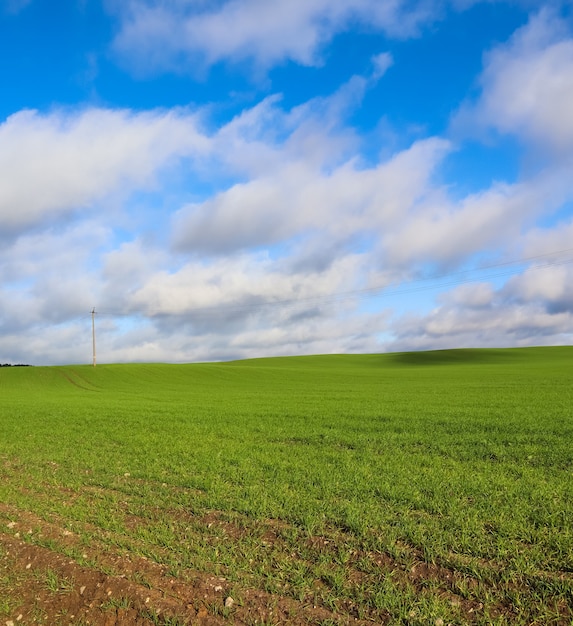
(14, 365)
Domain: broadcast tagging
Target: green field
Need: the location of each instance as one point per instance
(415, 488)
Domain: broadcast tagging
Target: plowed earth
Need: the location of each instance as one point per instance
(52, 588)
(51, 575)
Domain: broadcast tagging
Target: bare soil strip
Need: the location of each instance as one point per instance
(52, 575)
(48, 587)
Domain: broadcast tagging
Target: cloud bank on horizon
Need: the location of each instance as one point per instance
(240, 178)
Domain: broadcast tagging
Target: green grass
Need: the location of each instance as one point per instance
(55, 583)
(461, 459)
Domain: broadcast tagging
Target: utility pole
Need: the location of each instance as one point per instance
(94, 335)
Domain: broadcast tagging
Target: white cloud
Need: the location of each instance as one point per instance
(550, 287)
(55, 164)
(446, 232)
(292, 216)
(527, 86)
(163, 34)
(260, 140)
(479, 316)
(232, 308)
(48, 278)
(323, 333)
(53, 345)
(381, 63)
(546, 241)
(58, 273)
(474, 296)
(240, 283)
(302, 181)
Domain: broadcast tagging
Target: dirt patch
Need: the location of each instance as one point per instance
(48, 587)
(63, 571)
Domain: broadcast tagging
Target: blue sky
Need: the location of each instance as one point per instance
(240, 178)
